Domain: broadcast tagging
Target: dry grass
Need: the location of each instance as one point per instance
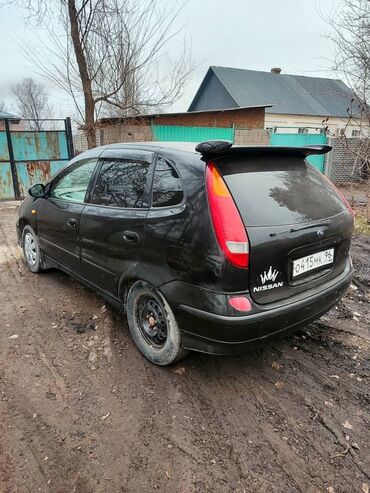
(361, 224)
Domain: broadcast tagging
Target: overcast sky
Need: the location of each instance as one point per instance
(251, 34)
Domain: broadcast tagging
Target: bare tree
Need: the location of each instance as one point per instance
(31, 101)
(112, 54)
(2, 105)
(351, 39)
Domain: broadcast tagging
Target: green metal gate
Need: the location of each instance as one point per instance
(296, 140)
(177, 133)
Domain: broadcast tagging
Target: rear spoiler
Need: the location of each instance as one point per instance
(216, 148)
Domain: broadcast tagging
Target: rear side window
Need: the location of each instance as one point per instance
(121, 183)
(271, 191)
(167, 186)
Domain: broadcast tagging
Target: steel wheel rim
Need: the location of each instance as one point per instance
(152, 322)
(30, 249)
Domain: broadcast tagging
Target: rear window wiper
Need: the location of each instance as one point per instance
(294, 230)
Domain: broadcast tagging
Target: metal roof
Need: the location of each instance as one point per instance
(289, 94)
(5, 115)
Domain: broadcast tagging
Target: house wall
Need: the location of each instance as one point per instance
(246, 118)
(334, 124)
(12, 126)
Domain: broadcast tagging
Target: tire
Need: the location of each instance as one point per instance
(153, 325)
(31, 250)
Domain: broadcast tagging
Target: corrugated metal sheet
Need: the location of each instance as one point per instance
(39, 145)
(289, 94)
(297, 140)
(33, 172)
(37, 157)
(174, 133)
(6, 182)
(4, 153)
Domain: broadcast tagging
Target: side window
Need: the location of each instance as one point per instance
(121, 183)
(74, 184)
(167, 186)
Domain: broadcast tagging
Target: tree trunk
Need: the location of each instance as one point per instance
(84, 74)
(90, 124)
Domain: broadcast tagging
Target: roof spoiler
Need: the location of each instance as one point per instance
(215, 148)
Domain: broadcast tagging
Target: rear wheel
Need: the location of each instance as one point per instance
(31, 250)
(153, 325)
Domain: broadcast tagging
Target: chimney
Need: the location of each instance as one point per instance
(276, 70)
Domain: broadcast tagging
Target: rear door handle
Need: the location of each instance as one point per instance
(131, 237)
(72, 223)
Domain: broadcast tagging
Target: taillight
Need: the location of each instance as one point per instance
(344, 200)
(228, 226)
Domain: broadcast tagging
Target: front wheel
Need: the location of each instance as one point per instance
(153, 325)
(31, 250)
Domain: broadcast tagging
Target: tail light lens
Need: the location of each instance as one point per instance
(228, 226)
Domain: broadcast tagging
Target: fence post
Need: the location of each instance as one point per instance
(328, 160)
(69, 137)
(13, 169)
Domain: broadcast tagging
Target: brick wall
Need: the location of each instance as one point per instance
(125, 133)
(341, 165)
(249, 124)
(255, 136)
(12, 126)
(246, 118)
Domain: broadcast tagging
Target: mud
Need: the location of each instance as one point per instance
(82, 411)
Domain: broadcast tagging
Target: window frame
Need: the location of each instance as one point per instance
(173, 165)
(69, 169)
(125, 157)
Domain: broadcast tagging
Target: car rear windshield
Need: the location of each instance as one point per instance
(277, 190)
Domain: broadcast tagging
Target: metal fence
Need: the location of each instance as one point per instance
(344, 164)
(178, 133)
(29, 156)
(296, 139)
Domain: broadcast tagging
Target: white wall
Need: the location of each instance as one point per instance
(303, 121)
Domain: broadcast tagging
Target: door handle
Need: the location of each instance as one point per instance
(131, 237)
(72, 223)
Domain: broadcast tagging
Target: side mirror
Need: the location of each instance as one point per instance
(37, 190)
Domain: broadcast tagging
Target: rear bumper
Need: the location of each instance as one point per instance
(222, 334)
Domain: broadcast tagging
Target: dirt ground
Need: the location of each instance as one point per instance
(82, 411)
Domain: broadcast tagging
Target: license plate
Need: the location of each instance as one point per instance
(312, 262)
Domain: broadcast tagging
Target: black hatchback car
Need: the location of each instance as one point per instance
(206, 249)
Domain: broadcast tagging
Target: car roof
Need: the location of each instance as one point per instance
(178, 146)
(299, 151)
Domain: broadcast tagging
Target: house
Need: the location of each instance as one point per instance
(13, 120)
(297, 103)
(243, 125)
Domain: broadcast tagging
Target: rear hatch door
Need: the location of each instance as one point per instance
(298, 226)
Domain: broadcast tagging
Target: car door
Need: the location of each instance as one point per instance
(112, 223)
(58, 216)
